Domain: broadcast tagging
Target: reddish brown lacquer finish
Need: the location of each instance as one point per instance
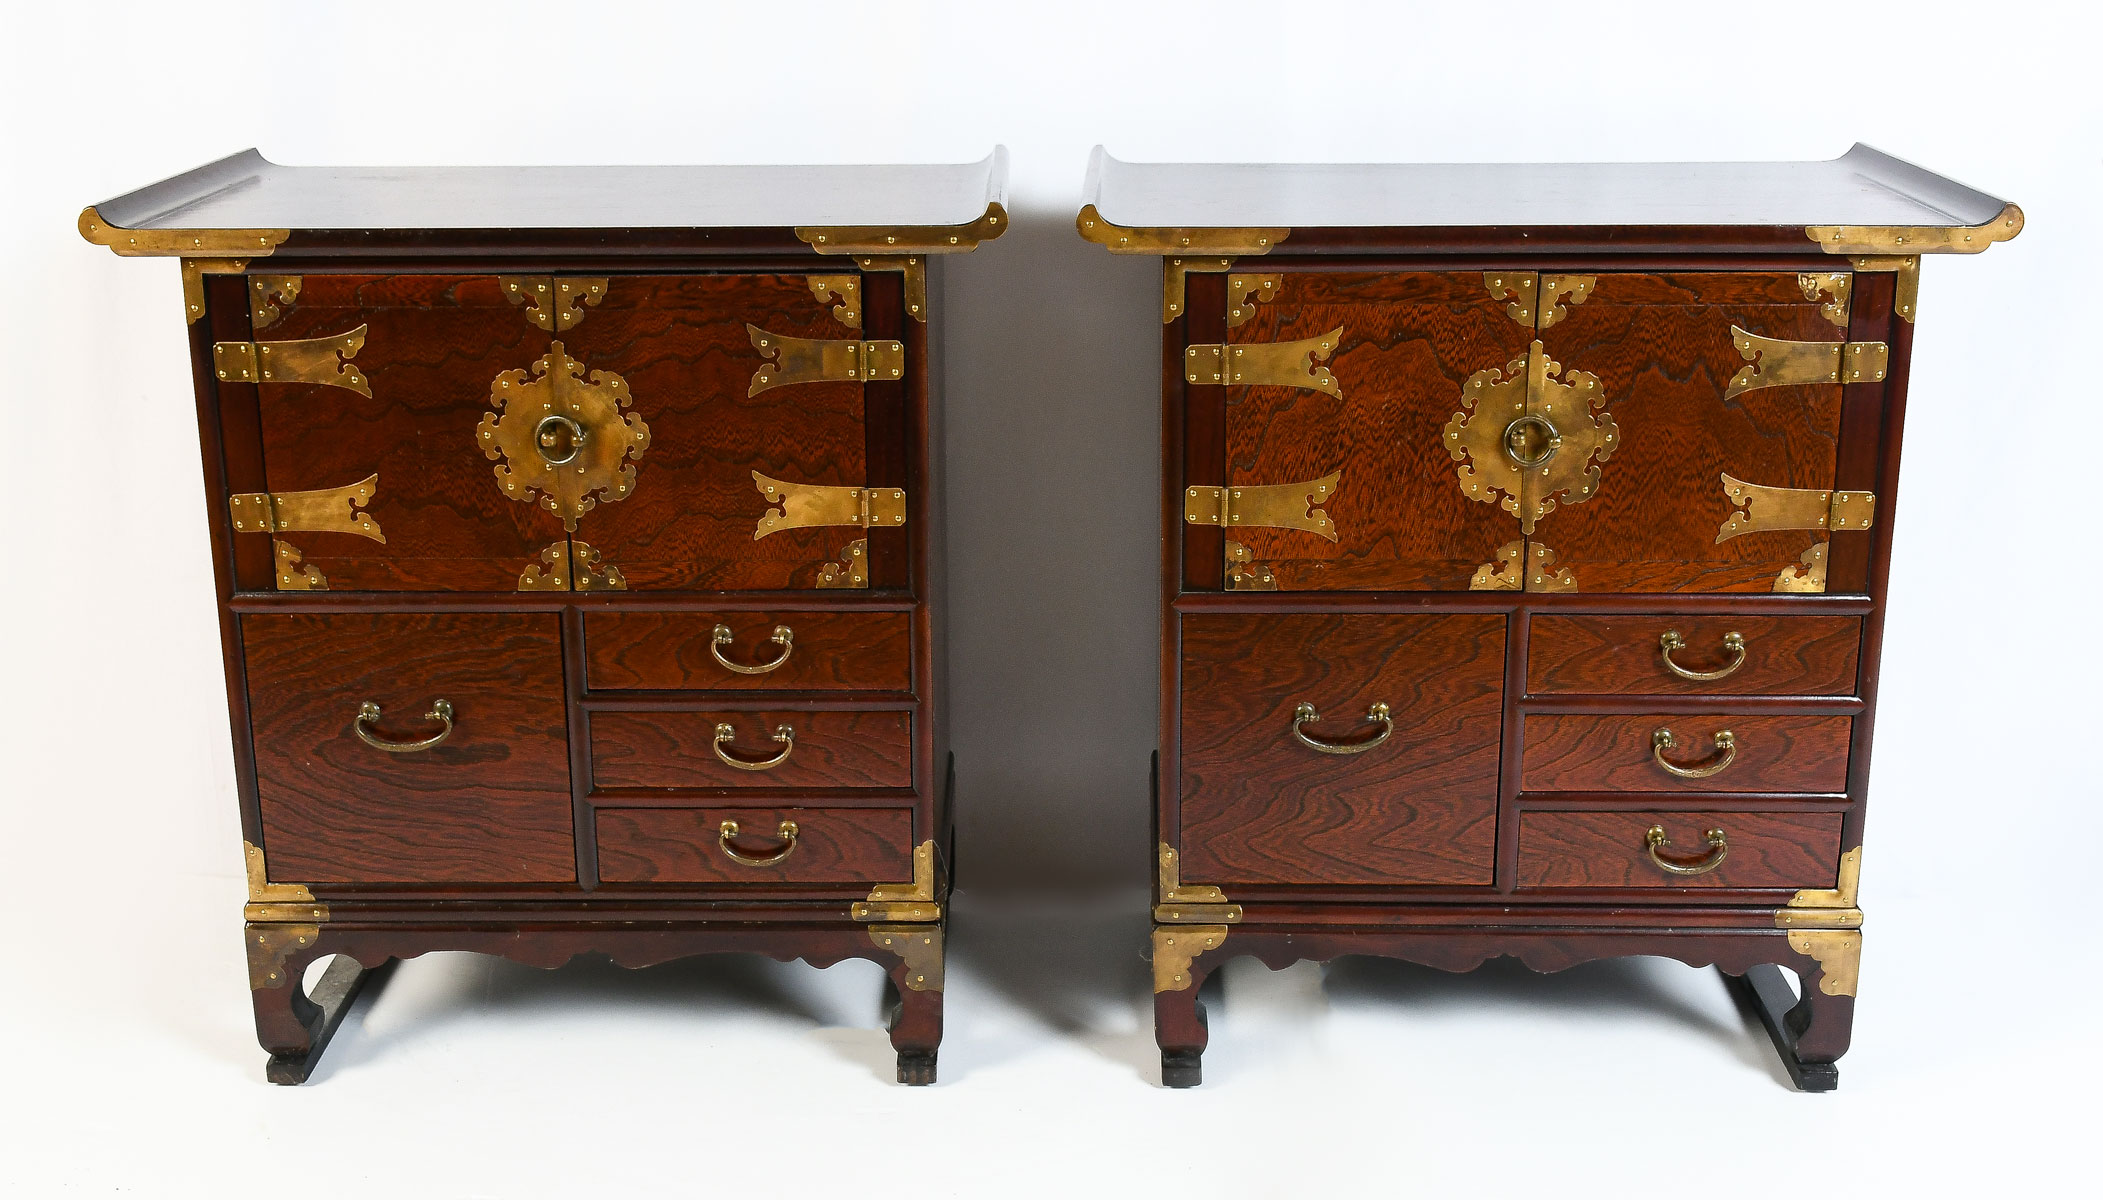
(1588, 752)
(1610, 850)
(491, 804)
(685, 845)
(838, 650)
(1662, 350)
(1260, 807)
(1410, 341)
(678, 749)
(1795, 655)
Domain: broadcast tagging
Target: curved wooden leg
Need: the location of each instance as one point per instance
(915, 987)
(1810, 1032)
(1179, 1019)
(293, 1026)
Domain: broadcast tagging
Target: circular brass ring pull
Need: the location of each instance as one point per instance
(783, 734)
(786, 833)
(559, 439)
(369, 714)
(1656, 841)
(1733, 642)
(1726, 741)
(1305, 715)
(1516, 440)
(783, 637)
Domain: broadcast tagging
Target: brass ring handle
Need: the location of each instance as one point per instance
(369, 713)
(1515, 440)
(783, 637)
(559, 439)
(1726, 741)
(786, 833)
(783, 734)
(1305, 715)
(1734, 642)
(1655, 841)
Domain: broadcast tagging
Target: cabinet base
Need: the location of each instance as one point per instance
(332, 997)
(1762, 992)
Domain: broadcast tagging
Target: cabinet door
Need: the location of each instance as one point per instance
(1354, 375)
(1347, 749)
(743, 381)
(385, 384)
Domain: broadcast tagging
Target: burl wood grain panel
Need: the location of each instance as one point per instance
(1259, 807)
(1784, 656)
(1590, 752)
(1662, 349)
(433, 345)
(828, 651)
(680, 342)
(491, 804)
(1608, 849)
(1410, 342)
(681, 845)
(677, 749)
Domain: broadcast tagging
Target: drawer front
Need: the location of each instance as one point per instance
(489, 804)
(860, 846)
(1586, 752)
(1258, 805)
(689, 749)
(1751, 656)
(1613, 850)
(820, 651)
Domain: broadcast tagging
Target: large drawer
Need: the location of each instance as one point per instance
(1677, 654)
(861, 846)
(1693, 849)
(735, 651)
(719, 749)
(1717, 751)
(343, 797)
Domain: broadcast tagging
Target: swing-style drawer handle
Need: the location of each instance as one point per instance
(787, 833)
(369, 714)
(1726, 741)
(783, 637)
(1656, 842)
(1305, 715)
(1734, 642)
(783, 734)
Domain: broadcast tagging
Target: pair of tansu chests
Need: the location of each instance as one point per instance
(1525, 535)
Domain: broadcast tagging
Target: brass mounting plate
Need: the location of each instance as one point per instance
(1931, 239)
(1836, 907)
(1295, 364)
(553, 302)
(793, 360)
(1905, 300)
(1836, 286)
(589, 423)
(194, 271)
(175, 243)
(913, 901)
(269, 901)
(848, 288)
(1756, 509)
(324, 361)
(906, 239)
(326, 510)
(1195, 904)
(1176, 947)
(805, 505)
(852, 571)
(1839, 956)
(1775, 362)
(914, 272)
(1523, 396)
(919, 947)
(1245, 292)
(1267, 506)
(294, 575)
(1244, 573)
(270, 943)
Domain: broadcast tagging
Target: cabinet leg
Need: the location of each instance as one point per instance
(915, 991)
(1810, 1032)
(293, 1026)
(1179, 1017)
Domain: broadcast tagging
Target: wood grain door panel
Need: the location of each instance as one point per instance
(1257, 806)
(1593, 752)
(491, 804)
(433, 346)
(1796, 655)
(828, 650)
(678, 749)
(1610, 849)
(1410, 341)
(861, 846)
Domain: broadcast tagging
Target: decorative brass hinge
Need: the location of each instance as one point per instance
(327, 510)
(1267, 506)
(1176, 947)
(553, 303)
(1756, 509)
(268, 297)
(1266, 364)
(1197, 904)
(1836, 286)
(848, 288)
(269, 901)
(1827, 908)
(804, 505)
(822, 360)
(919, 947)
(324, 361)
(913, 901)
(1917, 239)
(1775, 362)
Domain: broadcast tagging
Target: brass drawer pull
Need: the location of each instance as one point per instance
(1305, 715)
(1726, 741)
(1532, 440)
(783, 637)
(1733, 642)
(1655, 841)
(369, 714)
(783, 734)
(786, 833)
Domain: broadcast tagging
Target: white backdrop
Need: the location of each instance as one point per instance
(126, 1037)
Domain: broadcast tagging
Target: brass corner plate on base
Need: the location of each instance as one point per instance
(1197, 904)
(1836, 907)
(270, 943)
(1838, 953)
(1176, 947)
(919, 947)
(913, 901)
(269, 901)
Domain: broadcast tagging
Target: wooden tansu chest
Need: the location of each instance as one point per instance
(1526, 532)
(576, 546)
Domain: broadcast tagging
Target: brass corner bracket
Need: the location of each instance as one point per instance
(913, 901)
(919, 947)
(848, 288)
(906, 239)
(852, 571)
(1917, 239)
(1182, 250)
(914, 270)
(553, 303)
(270, 943)
(269, 901)
(175, 243)
(1176, 947)
(1905, 300)
(1838, 953)
(1827, 908)
(1197, 904)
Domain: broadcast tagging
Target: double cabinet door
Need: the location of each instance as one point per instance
(496, 433)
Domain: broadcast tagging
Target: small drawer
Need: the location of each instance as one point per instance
(1620, 850)
(861, 846)
(1708, 752)
(739, 651)
(1709, 655)
(716, 749)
